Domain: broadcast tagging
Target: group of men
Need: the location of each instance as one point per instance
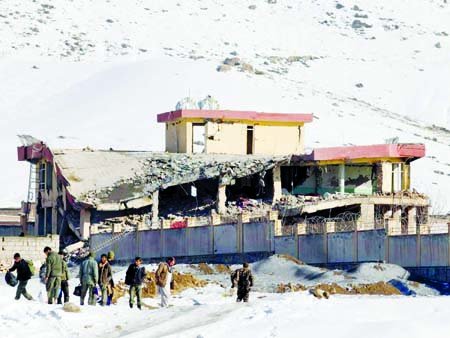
(136, 275)
(91, 273)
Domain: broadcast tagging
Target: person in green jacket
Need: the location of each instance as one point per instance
(64, 280)
(88, 279)
(52, 274)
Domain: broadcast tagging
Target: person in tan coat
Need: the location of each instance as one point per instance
(164, 279)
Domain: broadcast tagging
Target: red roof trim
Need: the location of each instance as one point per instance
(234, 115)
(407, 150)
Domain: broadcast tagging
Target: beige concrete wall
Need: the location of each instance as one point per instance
(226, 138)
(30, 248)
(179, 137)
(278, 140)
(231, 138)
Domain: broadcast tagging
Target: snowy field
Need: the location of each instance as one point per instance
(211, 311)
(78, 73)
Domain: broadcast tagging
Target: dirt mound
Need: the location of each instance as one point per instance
(204, 268)
(182, 281)
(221, 268)
(292, 259)
(380, 288)
(290, 287)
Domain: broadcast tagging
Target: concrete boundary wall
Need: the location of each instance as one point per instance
(430, 250)
(29, 247)
(225, 239)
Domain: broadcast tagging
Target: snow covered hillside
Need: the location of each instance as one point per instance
(96, 72)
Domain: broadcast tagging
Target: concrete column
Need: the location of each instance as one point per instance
(386, 185)
(277, 193)
(367, 216)
(155, 208)
(85, 223)
(221, 199)
(342, 178)
(55, 219)
(412, 220)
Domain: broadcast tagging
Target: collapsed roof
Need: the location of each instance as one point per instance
(113, 180)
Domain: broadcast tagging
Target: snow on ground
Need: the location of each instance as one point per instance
(211, 311)
(97, 73)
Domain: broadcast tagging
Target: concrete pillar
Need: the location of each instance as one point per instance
(342, 178)
(85, 223)
(386, 185)
(277, 193)
(221, 199)
(367, 220)
(94, 229)
(55, 219)
(412, 220)
(155, 208)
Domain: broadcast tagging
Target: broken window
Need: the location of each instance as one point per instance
(198, 138)
(293, 180)
(250, 140)
(45, 175)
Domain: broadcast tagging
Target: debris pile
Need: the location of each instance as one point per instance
(324, 290)
(182, 281)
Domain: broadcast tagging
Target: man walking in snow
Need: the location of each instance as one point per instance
(243, 279)
(64, 280)
(134, 277)
(52, 274)
(88, 279)
(110, 257)
(164, 279)
(104, 278)
(23, 276)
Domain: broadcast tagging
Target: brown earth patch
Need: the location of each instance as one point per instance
(149, 290)
(221, 268)
(290, 287)
(380, 288)
(292, 259)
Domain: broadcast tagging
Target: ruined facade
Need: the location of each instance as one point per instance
(224, 167)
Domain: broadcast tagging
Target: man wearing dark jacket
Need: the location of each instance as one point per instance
(104, 278)
(64, 280)
(134, 277)
(23, 275)
(243, 279)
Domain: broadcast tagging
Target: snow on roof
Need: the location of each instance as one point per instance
(112, 180)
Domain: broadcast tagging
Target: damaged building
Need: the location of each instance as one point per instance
(221, 168)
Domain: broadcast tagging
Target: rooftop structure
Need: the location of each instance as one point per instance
(234, 132)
